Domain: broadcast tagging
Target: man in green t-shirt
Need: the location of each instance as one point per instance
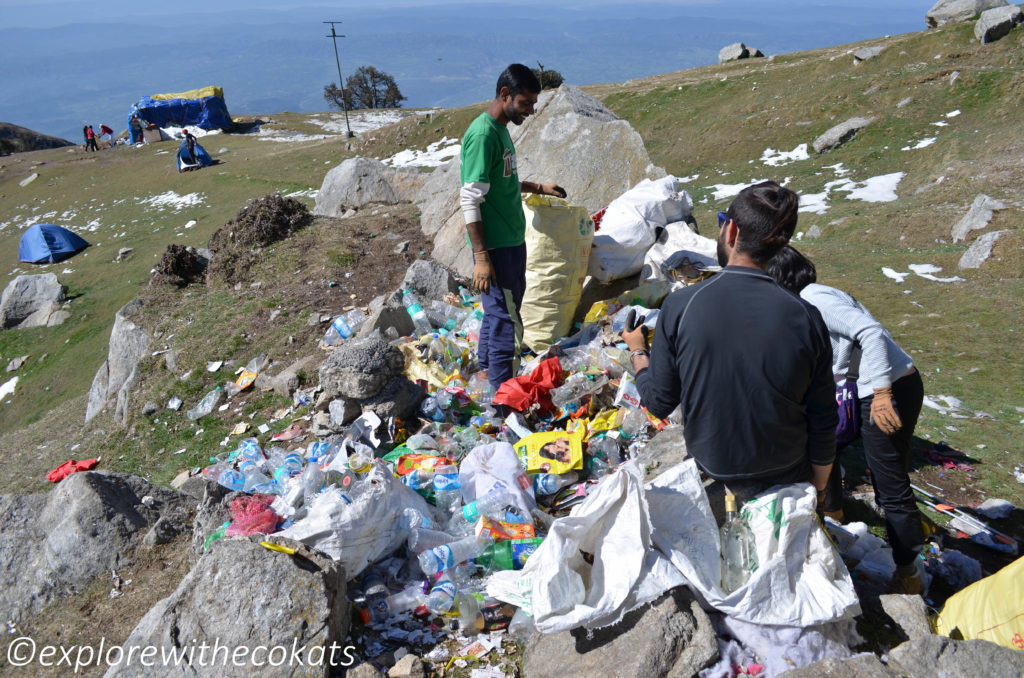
(493, 209)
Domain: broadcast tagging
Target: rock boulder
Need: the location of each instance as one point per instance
(362, 181)
(360, 368)
(57, 542)
(129, 343)
(979, 252)
(840, 134)
(977, 216)
(30, 300)
(865, 53)
(947, 11)
(242, 597)
(736, 50)
(997, 22)
(932, 655)
(671, 637)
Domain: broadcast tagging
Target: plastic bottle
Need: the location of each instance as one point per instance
(443, 557)
(375, 594)
(344, 326)
(471, 325)
(411, 518)
(289, 467)
(206, 405)
(447, 493)
(739, 557)
(419, 317)
(479, 389)
(250, 450)
(430, 410)
(634, 422)
(422, 539)
(436, 349)
(418, 479)
(360, 459)
(409, 598)
(549, 483)
(491, 504)
(255, 479)
(442, 596)
(467, 297)
(232, 479)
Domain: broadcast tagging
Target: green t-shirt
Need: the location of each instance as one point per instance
(489, 157)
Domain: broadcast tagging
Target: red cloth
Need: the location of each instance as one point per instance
(521, 392)
(105, 130)
(70, 466)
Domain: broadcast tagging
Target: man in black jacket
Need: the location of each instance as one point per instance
(749, 363)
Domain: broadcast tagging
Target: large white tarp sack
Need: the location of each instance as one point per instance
(676, 246)
(356, 532)
(800, 579)
(495, 466)
(631, 223)
(627, 543)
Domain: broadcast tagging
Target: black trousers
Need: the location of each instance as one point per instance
(888, 459)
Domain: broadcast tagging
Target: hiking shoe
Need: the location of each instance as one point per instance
(907, 581)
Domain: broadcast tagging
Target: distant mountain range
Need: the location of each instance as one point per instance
(441, 54)
(16, 139)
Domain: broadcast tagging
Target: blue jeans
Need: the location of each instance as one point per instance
(501, 332)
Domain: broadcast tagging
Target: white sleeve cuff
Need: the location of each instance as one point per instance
(471, 196)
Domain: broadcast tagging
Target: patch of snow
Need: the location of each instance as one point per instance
(814, 202)
(172, 200)
(723, 191)
(686, 180)
(362, 122)
(287, 136)
(67, 271)
(175, 132)
(926, 271)
(838, 169)
(941, 123)
(923, 143)
(895, 275)
(876, 189)
(436, 154)
(8, 387)
(953, 114)
(191, 223)
(308, 193)
(778, 158)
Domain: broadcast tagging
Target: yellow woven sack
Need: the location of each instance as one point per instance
(559, 236)
(201, 93)
(990, 609)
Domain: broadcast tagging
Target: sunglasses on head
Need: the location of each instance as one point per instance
(723, 219)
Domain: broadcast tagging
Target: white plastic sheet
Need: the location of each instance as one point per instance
(630, 226)
(358, 533)
(674, 242)
(496, 465)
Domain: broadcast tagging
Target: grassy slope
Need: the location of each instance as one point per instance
(710, 121)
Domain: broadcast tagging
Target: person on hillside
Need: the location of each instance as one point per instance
(492, 206)
(107, 132)
(90, 139)
(134, 130)
(749, 364)
(85, 136)
(190, 141)
(891, 393)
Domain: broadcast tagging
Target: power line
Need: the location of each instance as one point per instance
(341, 83)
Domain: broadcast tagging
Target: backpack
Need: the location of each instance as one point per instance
(848, 403)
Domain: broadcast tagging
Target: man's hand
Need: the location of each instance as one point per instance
(552, 189)
(483, 272)
(635, 334)
(883, 413)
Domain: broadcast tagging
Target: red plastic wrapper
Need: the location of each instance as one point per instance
(251, 514)
(70, 466)
(597, 216)
(520, 393)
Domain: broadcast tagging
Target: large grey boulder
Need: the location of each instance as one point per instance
(946, 11)
(979, 251)
(859, 666)
(242, 597)
(931, 656)
(977, 216)
(399, 398)
(361, 181)
(736, 50)
(30, 301)
(129, 343)
(995, 23)
(55, 543)
(429, 280)
(572, 139)
(840, 134)
(671, 637)
(287, 380)
(360, 368)
(865, 53)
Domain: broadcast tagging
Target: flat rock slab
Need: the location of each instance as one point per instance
(933, 656)
(860, 666)
(996, 23)
(977, 216)
(910, 612)
(671, 637)
(29, 300)
(952, 11)
(979, 251)
(840, 134)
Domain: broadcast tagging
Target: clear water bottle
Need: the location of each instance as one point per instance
(467, 297)
(549, 483)
(206, 405)
(250, 450)
(447, 492)
(289, 467)
(416, 312)
(232, 479)
(422, 539)
(471, 325)
(375, 594)
(739, 557)
(442, 596)
(634, 423)
(433, 561)
(411, 518)
(409, 598)
(255, 479)
(491, 504)
(344, 327)
(418, 479)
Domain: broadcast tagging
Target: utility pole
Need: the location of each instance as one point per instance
(341, 83)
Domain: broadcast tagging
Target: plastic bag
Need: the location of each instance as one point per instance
(558, 241)
(492, 466)
(680, 254)
(990, 609)
(251, 514)
(629, 227)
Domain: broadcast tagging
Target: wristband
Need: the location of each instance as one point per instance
(640, 352)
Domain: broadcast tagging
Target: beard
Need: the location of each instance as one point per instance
(720, 251)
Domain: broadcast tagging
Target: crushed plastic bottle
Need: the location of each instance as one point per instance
(432, 561)
(442, 596)
(206, 405)
(549, 483)
(344, 327)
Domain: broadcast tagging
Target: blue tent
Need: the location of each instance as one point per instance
(47, 243)
(203, 158)
(203, 108)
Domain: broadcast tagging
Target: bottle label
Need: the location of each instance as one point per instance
(342, 328)
(445, 557)
(415, 310)
(444, 482)
(470, 513)
(445, 586)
